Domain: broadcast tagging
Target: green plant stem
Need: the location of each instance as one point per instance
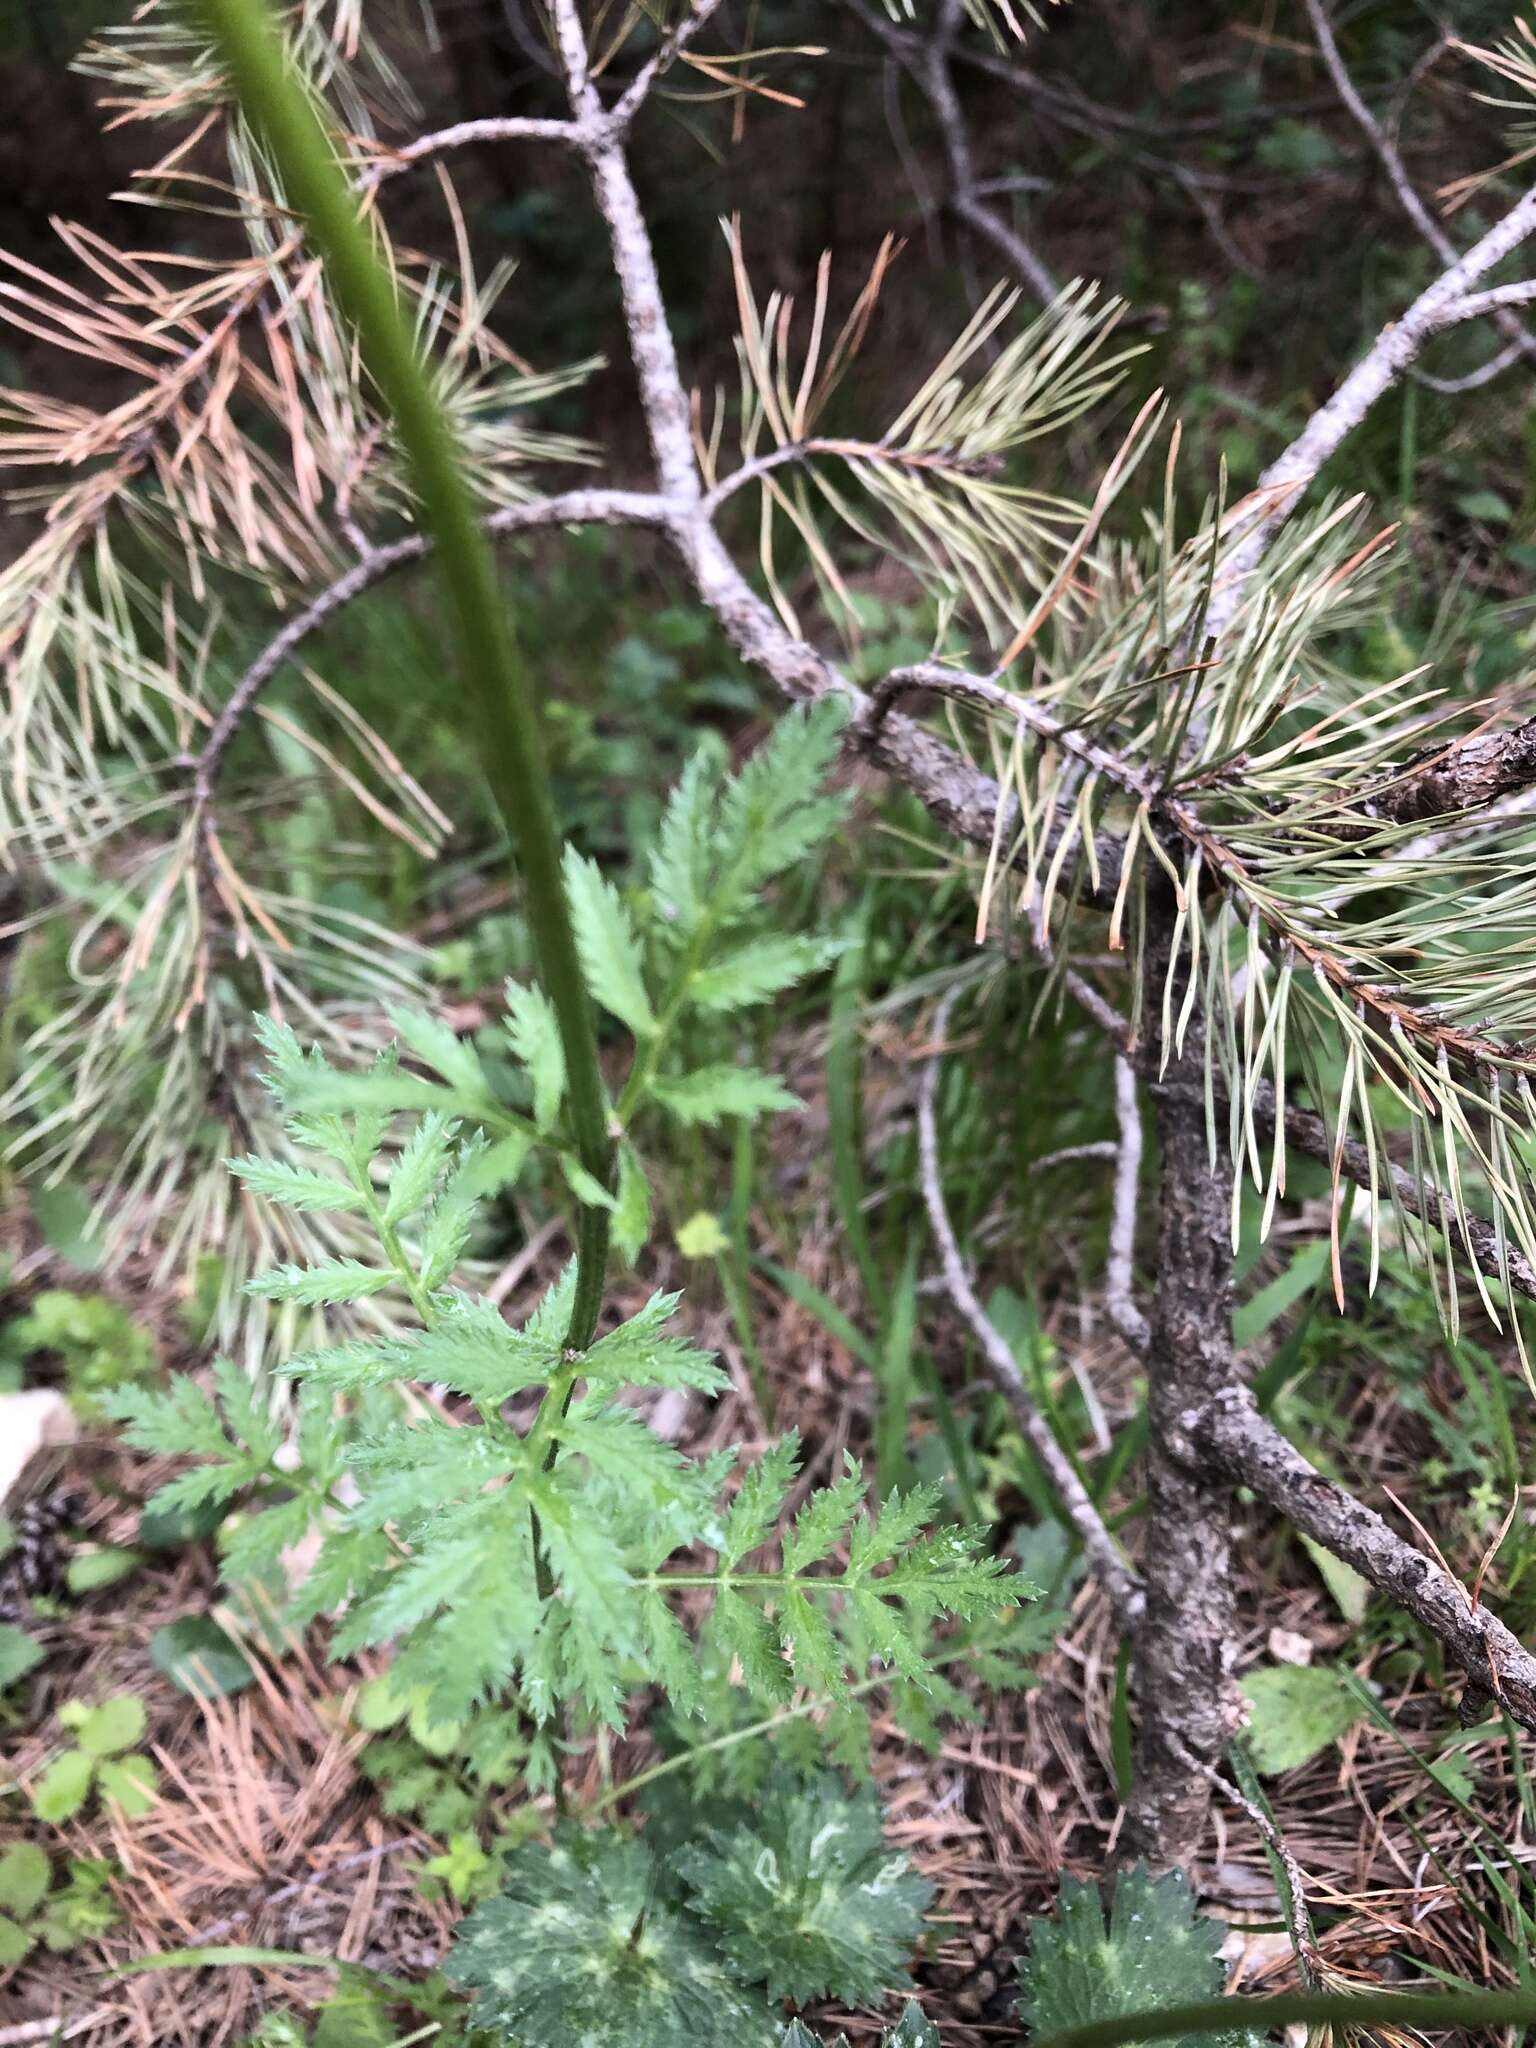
(1454, 2010)
(508, 732)
(732, 1737)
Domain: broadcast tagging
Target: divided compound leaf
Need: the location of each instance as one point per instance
(1156, 1951)
(807, 1896)
(581, 1946)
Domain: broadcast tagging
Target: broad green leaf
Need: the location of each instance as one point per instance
(15, 1943)
(129, 1782)
(117, 1724)
(24, 1877)
(197, 1657)
(64, 1787)
(1295, 1711)
(1156, 1951)
(913, 2030)
(1351, 1593)
(807, 1898)
(583, 1946)
(18, 1654)
(103, 1566)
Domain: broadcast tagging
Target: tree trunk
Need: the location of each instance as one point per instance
(1184, 1646)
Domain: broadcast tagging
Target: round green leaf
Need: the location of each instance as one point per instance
(130, 1783)
(1295, 1711)
(174, 1528)
(14, 1942)
(117, 1724)
(381, 1703)
(24, 1875)
(701, 1237)
(64, 1787)
(196, 1655)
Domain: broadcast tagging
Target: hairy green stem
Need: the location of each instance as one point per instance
(508, 731)
(1456, 2011)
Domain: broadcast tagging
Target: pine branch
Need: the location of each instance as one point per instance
(1519, 340)
(1395, 349)
(1230, 1430)
(1462, 777)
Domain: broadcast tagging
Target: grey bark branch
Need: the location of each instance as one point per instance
(1249, 1449)
(1519, 340)
(1464, 776)
(1001, 1366)
(1389, 356)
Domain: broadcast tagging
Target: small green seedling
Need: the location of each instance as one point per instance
(31, 1913)
(18, 1655)
(98, 1761)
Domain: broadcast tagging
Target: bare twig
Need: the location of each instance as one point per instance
(573, 508)
(1473, 380)
(656, 66)
(463, 135)
(1002, 1368)
(1304, 1933)
(1230, 1430)
(1520, 342)
(1384, 362)
(1119, 1280)
(928, 63)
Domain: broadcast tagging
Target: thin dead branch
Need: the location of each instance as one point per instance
(1001, 1366)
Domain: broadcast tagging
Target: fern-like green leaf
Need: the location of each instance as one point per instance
(534, 1033)
(605, 938)
(759, 968)
(709, 1094)
(291, 1185)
